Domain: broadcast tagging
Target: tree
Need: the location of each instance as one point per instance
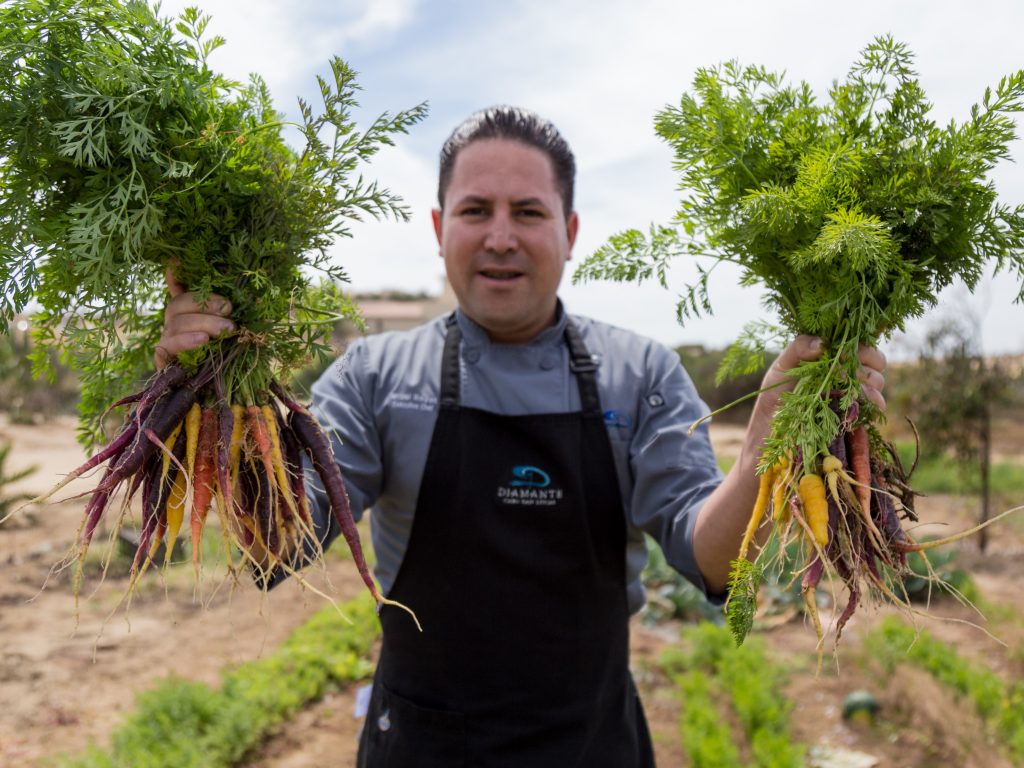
(954, 393)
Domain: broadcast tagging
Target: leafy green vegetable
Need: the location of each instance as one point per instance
(123, 153)
(853, 213)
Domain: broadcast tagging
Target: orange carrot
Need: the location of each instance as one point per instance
(860, 466)
(204, 476)
(261, 439)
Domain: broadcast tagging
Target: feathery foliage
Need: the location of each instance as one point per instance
(123, 153)
(853, 213)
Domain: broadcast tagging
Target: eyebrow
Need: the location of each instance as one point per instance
(529, 202)
(524, 202)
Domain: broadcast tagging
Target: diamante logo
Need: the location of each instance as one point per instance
(531, 477)
(529, 486)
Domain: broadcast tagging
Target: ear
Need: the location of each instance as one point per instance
(436, 215)
(572, 227)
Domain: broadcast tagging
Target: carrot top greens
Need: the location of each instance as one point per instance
(853, 213)
(122, 152)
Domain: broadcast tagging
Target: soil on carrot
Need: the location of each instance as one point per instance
(64, 687)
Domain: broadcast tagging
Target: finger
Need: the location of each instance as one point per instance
(802, 349)
(871, 378)
(174, 287)
(875, 396)
(185, 303)
(196, 322)
(869, 357)
(171, 346)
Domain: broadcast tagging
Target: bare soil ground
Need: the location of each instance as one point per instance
(65, 683)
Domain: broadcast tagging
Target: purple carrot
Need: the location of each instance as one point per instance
(851, 606)
(246, 504)
(168, 378)
(812, 576)
(155, 508)
(317, 446)
(115, 448)
(162, 419)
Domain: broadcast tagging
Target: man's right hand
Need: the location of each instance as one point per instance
(187, 324)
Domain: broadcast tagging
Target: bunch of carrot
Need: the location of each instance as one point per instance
(185, 449)
(845, 511)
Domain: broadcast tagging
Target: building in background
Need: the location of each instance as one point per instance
(394, 311)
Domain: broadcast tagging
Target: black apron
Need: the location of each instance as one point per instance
(516, 569)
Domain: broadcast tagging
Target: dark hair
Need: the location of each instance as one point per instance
(505, 122)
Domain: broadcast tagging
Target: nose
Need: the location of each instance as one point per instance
(501, 236)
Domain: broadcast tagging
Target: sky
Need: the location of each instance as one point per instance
(601, 70)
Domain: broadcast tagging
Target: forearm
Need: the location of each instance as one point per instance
(723, 519)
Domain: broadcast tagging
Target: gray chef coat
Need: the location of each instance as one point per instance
(379, 404)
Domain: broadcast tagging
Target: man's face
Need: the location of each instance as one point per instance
(505, 238)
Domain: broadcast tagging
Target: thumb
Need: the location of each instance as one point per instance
(174, 286)
(802, 349)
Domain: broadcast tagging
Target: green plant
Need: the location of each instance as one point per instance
(999, 702)
(745, 678)
(669, 595)
(124, 154)
(853, 214)
(707, 738)
(182, 724)
(125, 158)
(934, 575)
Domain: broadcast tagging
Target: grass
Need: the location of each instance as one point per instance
(1000, 703)
(183, 724)
(940, 474)
(710, 668)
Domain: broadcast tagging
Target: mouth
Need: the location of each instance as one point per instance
(502, 275)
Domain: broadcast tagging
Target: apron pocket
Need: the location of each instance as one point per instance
(401, 733)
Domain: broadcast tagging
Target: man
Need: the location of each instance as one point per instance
(513, 456)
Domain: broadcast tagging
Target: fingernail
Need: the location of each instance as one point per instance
(817, 345)
(226, 327)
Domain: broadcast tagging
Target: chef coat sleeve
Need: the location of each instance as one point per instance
(674, 472)
(342, 404)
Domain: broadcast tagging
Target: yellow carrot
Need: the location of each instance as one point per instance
(780, 509)
(277, 459)
(175, 514)
(812, 494)
(235, 449)
(760, 505)
(192, 421)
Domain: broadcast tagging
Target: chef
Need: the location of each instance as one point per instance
(513, 456)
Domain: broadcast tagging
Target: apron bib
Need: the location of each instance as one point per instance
(516, 569)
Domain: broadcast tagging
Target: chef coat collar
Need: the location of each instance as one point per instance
(474, 334)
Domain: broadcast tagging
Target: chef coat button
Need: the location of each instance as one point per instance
(548, 362)
(384, 721)
(655, 400)
(472, 355)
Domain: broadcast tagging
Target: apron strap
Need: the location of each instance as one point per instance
(584, 365)
(450, 370)
(581, 363)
